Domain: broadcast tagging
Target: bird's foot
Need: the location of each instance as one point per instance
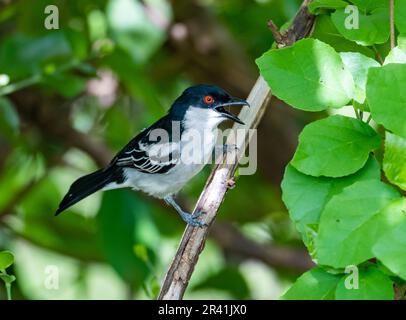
(192, 219)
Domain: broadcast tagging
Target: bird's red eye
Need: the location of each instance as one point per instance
(208, 99)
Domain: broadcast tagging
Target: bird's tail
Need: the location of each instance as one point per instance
(85, 186)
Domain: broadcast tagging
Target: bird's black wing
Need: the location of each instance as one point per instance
(137, 154)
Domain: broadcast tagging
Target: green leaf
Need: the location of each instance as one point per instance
(358, 65)
(402, 42)
(316, 5)
(326, 31)
(396, 55)
(306, 196)
(6, 259)
(227, 279)
(394, 161)
(386, 97)
(369, 5)
(309, 75)
(79, 43)
(400, 15)
(97, 24)
(372, 28)
(348, 228)
(315, 284)
(391, 247)
(373, 284)
(360, 106)
(119, 217)
(334, 147)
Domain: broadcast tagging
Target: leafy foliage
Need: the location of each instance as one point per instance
(400, 16)
(394, 161)
(334, 147)
(391, 246)
(386, 97)
(6, 260)
(318, 5)
(299, 75)
(344, 188)
(306, 196)
(358, 65)
(326, 31)
(348, 228)
(315, 284)
(372, 28)
(373, 285)
(346, 211)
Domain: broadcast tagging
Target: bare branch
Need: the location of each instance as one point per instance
(392, 23)
(275, 32)
(193, 240)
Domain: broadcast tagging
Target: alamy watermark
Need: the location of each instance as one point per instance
(52, 20)
(51, 277)
(352, 20)
(351, 281)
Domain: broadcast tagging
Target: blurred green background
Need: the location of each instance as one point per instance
(72, 97)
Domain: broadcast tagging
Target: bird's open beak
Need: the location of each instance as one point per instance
(233, 102)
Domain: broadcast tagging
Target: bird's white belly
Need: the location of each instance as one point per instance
(164, 184)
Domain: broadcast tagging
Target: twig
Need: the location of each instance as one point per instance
(400, 292)
(193, 240)
(36, 78)
(20, 85)
(392, 23)
(275, 32)
(378, 55)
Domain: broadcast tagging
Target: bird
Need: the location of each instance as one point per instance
(157, 161)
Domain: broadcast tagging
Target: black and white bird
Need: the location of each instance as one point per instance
(157, 161)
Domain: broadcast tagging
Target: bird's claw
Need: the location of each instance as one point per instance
(231, 183)
(191, 219)
(197, 214)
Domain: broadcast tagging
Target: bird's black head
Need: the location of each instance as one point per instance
(206, 101)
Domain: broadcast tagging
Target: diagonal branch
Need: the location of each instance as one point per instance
(193, 240)
(392, 23)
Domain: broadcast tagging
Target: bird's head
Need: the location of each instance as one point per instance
(206, 103)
